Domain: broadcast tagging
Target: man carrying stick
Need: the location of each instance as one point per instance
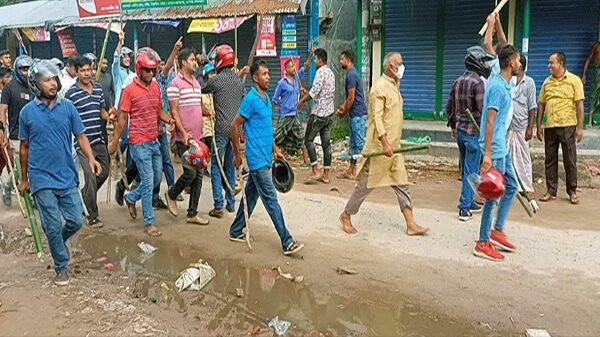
(384, 130)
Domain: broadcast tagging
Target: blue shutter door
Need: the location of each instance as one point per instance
(567, 26)
(410, 29)
(463, 19)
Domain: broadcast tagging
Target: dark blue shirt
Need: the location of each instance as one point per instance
(49, 132)
(258, 126)
(353, 80)
(88, 106)
(287, 94)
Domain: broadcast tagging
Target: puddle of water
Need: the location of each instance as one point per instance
(371, 312)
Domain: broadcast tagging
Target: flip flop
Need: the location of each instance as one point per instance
(548, 197)
(345, 176)
(216, 213)
(153, 231)
(574, 199)
(321, 179)
(311, 180)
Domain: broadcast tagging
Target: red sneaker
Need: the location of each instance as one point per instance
(487, 252)
(498, 238)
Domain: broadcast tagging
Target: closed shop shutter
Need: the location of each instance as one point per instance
(410, 29)
(567, 26)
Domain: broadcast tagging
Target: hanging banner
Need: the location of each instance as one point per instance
(38, 34)
(216, 25)
(266, 41)
(146, 4)
(19, 38)
(98, 8)
(101, 25)
(288, 35)
(284, 59)
(67, 44)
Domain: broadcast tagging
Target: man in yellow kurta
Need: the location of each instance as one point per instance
(384, 130)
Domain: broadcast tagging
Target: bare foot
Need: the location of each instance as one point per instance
(347, 224)
(416, 230)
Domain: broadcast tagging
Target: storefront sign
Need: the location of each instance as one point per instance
(266, 41)
(146, 4)
(97, 8)
(288, 35)
(38, 34)
(67, 43)
(284, 59)
(216, 25)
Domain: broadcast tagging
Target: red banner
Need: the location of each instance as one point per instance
(67, 44)
(284, 59)
(97, 8)
(266, 41)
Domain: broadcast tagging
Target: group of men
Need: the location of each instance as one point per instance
(501, 99)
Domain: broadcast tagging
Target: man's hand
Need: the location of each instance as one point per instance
(208, 113)
(491, 19)
(528, 134)
(578, 135)
(340, 111)
(122, 36)
(178, 44)
(313, 49)
(171, 124)
(3, 139)
(112, 147)
(24, 186)
(540, 134)
(277, 153)
(244, 71)
(299, 105)
(486, 164)
(237, 161)
(186, 138)
(453, 133)
(388, 151)
(303, 91)
(96, 167)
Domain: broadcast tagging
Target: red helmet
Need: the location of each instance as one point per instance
(197, 155)
(222, 56)
(146, 58)
(490, 185)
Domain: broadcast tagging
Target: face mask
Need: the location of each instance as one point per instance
(400, 72)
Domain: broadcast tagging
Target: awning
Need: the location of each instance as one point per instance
(38, 13)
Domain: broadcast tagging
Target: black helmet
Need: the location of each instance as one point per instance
(283, 176)
(42, 68)
(476, 59)
(23, 61)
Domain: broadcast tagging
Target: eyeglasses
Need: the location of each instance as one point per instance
(149, 70)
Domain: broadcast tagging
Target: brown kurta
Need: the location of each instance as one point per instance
(385, 118)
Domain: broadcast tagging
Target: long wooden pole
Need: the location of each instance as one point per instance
(14, 180)
(254, 45)
(34, 226)
(496, 10)
(103, 53)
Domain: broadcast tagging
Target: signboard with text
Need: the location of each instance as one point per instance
(215, 25)
(98, 8)
(147, 4)
(266, 41)
(288, 35)
(67, 43)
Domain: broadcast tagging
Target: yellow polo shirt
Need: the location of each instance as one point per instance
(560, 95)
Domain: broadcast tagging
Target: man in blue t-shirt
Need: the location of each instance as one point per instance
(355, 107)
(46, 126)
(255, 114)
(495, 119)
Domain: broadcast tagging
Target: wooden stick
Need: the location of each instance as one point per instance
(14, 180)
(254, 45)
(103, 50)
(245, 209)
(399, 150)
(496, 10)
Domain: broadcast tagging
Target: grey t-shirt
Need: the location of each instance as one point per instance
(524, 99)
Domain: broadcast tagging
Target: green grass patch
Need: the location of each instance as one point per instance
(339, 132)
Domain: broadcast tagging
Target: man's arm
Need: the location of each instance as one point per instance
(349, 101)
(277, 95)
(540, 116)
(171, 59)
(103, 114)
(24, 159)
(588, 60)
(579, 110)
(488, 37)
(4, 130)
(499, 29)
(450, 109)
(486, 162)
(238, 121)
(84, 144)
(122, 117)
(174, 108)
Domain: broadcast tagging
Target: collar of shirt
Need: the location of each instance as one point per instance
(181, 76)
(255, 92)
(140, 84)
(39, 102)
(391, 80)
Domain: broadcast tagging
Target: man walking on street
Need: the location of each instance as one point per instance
(48, 169)
(141, 102)
(384, 131)
(467, 93)
(561, 101)
(255, 115)
(227, 90)
(357, 109)
(88, 99)
(320, 120)
(185, 101)
(496, 116)
(520, 130)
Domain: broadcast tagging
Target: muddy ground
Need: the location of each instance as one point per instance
(429, 286)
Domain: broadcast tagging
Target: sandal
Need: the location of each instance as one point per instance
(153, 231)
(548, 197)
(323, 180)
(216, 213)
(574, 199)
(95, 223)
(345, 176)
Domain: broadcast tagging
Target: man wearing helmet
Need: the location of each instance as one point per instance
(55, 190)
(495, 120)
(467, 93)
(15, 95)
(227, 90)
(255, 115)
(185, 102)
(141, 103)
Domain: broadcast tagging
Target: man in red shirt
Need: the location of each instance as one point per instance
(141, 102)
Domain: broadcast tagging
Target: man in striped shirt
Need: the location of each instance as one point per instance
(88, 99)
(185, 102)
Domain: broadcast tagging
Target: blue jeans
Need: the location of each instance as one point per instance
(224, 146)
(357, 136)
(166, 164)
(260, 185)
(504, 166)
(148, 160)
(470, 157)
(54, 206)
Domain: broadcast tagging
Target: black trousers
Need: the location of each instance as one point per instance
(191, 178)
(565, 137)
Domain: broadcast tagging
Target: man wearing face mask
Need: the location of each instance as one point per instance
(384, 131)
(467, 93)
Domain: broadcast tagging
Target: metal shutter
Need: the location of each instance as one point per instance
(410, 28)
(567, 26)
